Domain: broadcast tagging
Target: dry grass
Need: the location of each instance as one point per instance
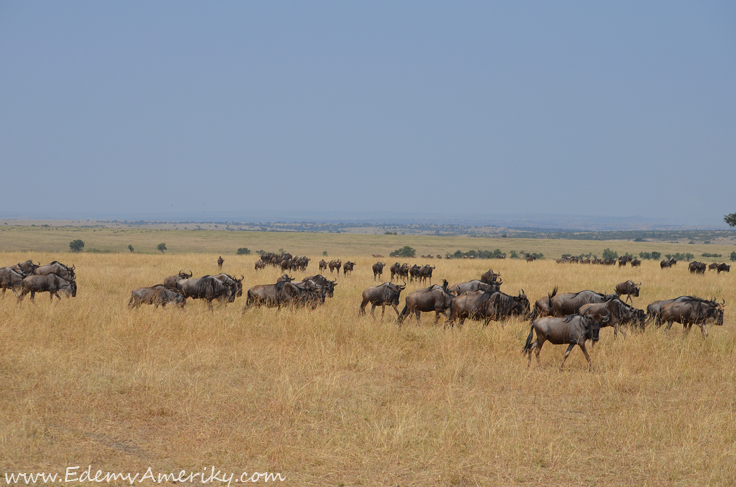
(327, 398)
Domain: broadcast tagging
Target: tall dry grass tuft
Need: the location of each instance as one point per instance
(328, 398)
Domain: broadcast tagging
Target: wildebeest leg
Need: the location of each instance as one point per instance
(419, 317)
(567, 353)
(669, 325)
(33, 296)
(704, 331)
(383, 311)
(396, 309)
(585, 352)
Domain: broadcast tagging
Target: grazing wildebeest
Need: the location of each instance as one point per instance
(170, 282)
(348, 267)
(543, 306)
(328, 285)
(156, 295)
(619, 313)
(724, 268)
(56, 268)
(426, 273)
(207, 288)
(27, 267)
(628, 288)
(489, 276)
(220, 261)
(377, 269)
(322, 265)
(635, 263)
(335, 264)
(50, 283)
(434, 298)
(570, 303)
(474, 285)
(10, 279)
(692, 312)
(573, 330)
(697, 267)
(382, 295)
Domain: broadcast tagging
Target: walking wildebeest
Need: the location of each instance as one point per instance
(377, 269)
(50, 283)
(335, 264)
(692, 312)
(570, 303)
(667, 263)
(10, 279)
(322, 265)
(489, 276)
(474, 285)
(628, 288)
(635, 263)
(697, 267)
(56, 268)
(229, 280)
(425, 273)
(170, 282)
(724, 268)
(260, 264)
(619, 313)
(324, 282)
(434, 298)
(285, 278)
(27, 267)
(382, 295)
(207, 288)
(573, 330)
(348, 267)
(487, 306)
(220, 261)
(156, 295)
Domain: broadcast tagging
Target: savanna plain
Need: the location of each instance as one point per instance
(326, 397)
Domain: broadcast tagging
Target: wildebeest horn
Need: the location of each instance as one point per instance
(242, 277)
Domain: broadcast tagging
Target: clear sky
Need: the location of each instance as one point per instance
(592, 108)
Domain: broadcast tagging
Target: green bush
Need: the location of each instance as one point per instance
(733, 255)
(130, 247)
(610, 254)
(161, 247)
(76, 245)
(243, 251)
(406, 251)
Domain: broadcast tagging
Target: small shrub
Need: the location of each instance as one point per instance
(130, 247)
(243, 251)
(733, 255)
(406, 251)
(161, 247)
(610, 254)
(76, 245)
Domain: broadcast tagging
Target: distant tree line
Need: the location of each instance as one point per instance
(477, 254)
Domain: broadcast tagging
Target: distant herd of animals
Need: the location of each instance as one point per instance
(568, 318)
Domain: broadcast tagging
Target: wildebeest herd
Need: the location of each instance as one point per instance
(559, 318)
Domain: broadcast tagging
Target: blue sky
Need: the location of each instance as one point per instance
(585, 108)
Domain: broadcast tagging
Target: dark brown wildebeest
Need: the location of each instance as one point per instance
(50, 283)
(489, 276)
(530, 258)
(570, 303)
(667, 263)
(414, 273)
(628, 288)
(157, 295)
(321, 280)
(573, 330)
(286, 265)
(635, 263)
(487, 306)
(382, 295)
(377, 269)
(394, 270)
(425, 273)
(322, 265)
(335, 264)
(434, 298)
(619, 313)
(474, 285)
(27, 267)
(260, 264)
(504, 305)
(654, 309)
(543, 306)
(348, 267)
(231, 281)
(724, 268)
(285, 278)
(697, 267)
(170, 282)
(693, 312)
(220, 261)
(208, 288)
(284, 294)
(713, 266)
(56, 268)
(10, 279)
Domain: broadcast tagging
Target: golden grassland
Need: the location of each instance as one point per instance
(327, 398)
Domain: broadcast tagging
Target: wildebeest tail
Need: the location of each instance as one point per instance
(403, 312)
(528, 344)
(550, 296)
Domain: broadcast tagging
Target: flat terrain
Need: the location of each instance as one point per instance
(327, 398)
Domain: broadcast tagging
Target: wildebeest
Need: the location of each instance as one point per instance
(697, 267)
(713, 266)
(170, 282)
(208, 288)
(56, 268)
(229, 280)
(50, 283)
(667, 263)
(489, 276)
(434, 298)
(487, 306)
(382, 295)
(260, 264)
(11, 279)
(425, 272)
(322, 265)
(619, 313)
(284, 293)
(377, 269)
(220, 261)
(328, 285)
(335, 264)
(156, 295)
(570, 303)
(692, 312)
(635, 263)
(285, 278)
(414, 273)
(27, 267)
(543, 306)
(573, 330)
(724, 268)
(654, 309)
(628, 288)
(474, 285)
(347, 267)
(505, 305)
(530, 258)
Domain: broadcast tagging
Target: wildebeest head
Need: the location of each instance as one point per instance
(184, 275)
(522, 303)
(593, 326)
